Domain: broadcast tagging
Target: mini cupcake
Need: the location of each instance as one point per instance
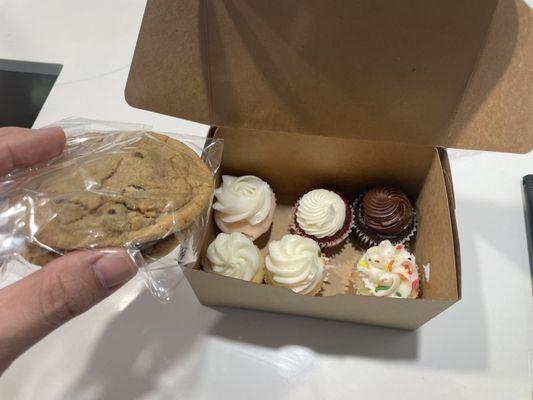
(383, 213)
(296, 263)
(236, 256)
(245, 204)
(324, 216)
(387, 270)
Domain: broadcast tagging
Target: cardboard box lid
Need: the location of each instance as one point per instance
(369, 69)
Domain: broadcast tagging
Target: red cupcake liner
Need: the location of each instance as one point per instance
(368, 238)
(328, 241)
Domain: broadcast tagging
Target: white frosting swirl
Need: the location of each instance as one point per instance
(295, 262)
(321, 213)
(389, 270)
(246, 198)
(234, 255)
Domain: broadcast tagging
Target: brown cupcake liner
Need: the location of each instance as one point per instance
(338, 279)
(327, 242)
(367, 238)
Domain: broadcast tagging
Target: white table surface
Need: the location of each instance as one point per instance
(132, 347)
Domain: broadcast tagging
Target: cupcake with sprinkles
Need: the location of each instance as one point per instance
(324, 216)
(383, 213)
(387, 270)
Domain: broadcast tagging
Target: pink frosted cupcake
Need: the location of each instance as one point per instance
(324, 216)
(244, 204)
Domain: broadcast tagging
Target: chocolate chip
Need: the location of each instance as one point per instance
(112, 211)
(138, 154)
(136, 187)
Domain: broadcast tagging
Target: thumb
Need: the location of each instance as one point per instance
(36, 305)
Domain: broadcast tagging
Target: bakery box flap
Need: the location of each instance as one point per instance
(368, 69)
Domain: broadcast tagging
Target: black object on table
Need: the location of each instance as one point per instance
(24, 87)
(527, 186)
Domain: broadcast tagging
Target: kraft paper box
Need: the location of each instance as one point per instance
(344, 95)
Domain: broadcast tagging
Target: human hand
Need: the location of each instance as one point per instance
(35, 306)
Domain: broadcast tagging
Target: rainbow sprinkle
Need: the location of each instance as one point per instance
(362, 264)
(408, 269)
(381, 287)
(389, 265)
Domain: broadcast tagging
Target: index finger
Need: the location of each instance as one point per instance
(21, 147)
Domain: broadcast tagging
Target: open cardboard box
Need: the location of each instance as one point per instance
(345, 95)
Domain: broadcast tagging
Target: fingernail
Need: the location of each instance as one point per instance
(114, 269)
(44, 130)
(49, 130)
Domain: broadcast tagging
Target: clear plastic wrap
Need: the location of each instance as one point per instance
(114, 185)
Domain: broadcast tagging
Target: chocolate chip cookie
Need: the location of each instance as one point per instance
(40, 256)
(130, 188)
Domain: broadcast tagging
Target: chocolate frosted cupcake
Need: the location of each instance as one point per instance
(384, 213)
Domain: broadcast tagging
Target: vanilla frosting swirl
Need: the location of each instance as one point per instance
(389, 270)
(321, 213)
(295, 262)
(234, 255)
(246, 198)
